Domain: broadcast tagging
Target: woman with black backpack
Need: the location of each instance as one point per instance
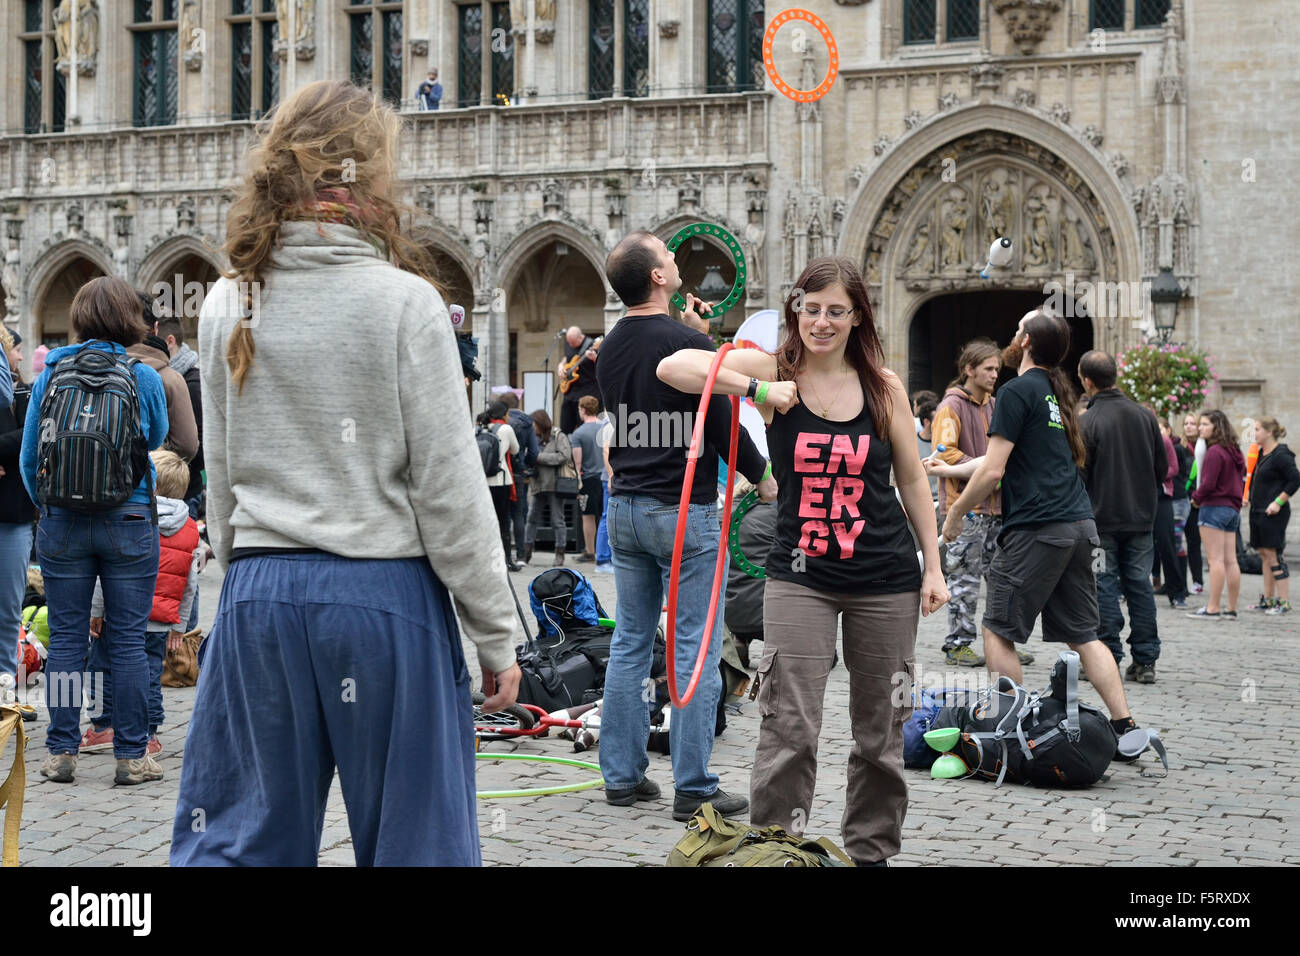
(556, 452)
(118, 544)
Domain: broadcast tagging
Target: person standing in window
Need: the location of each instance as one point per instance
(428, 95)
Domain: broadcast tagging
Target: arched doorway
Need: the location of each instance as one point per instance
(454, 281)
(54, 302)
(182, 286)
(942, 325)
(556, 287)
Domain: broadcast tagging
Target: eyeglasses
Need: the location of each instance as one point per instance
(814, 312)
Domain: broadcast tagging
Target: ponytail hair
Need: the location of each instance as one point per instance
(1049, 343)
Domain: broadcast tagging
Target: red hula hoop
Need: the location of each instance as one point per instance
(697, 441)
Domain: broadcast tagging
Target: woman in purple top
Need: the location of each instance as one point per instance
(1219, 497)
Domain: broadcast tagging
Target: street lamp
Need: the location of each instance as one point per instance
(714, 288)
(1165, 295)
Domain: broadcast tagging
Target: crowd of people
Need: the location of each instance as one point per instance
(347, 518)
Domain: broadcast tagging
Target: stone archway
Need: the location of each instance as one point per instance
(921, 223)
(179, 275)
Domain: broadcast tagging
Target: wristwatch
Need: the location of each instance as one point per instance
(753, 388)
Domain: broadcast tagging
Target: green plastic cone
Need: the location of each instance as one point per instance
(947, 767)
(943, 740)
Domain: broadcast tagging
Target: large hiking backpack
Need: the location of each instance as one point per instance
(563, 599)
(92, 451)
(565, 664)
(1049, 739)
(489, 449)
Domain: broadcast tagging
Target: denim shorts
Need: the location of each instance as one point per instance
(1221, 517)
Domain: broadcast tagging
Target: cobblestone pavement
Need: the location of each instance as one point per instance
(1232, 796)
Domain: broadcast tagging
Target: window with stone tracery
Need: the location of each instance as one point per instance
(940, 21)
(44, 87)
(605, 41)
(255, 65)
(735, 52)
(375, 46)
(1111, 14)
(155, 52)
(481, 26)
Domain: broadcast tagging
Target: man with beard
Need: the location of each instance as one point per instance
(1045, 557)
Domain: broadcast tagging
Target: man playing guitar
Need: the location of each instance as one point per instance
(577, 376)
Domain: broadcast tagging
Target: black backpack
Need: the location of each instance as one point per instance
(92, 451)
(1049, 740)
(489, 449)
(565, 671)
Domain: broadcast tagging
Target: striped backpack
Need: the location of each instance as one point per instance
(92, 451)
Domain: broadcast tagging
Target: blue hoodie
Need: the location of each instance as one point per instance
(153, 413)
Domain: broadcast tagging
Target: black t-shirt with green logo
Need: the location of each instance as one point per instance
(1041, 483)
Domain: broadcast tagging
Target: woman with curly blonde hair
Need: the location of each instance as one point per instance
(340, 505)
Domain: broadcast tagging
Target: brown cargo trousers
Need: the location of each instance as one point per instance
(799, 626)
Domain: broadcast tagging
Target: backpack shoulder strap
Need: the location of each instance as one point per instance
(1072, 726)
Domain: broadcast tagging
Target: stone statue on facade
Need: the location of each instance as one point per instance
(12, 284)
(953, 238)
(87, 35)
(1039, 247)
(999, 208)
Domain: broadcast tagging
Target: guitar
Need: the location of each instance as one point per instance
(568, 371)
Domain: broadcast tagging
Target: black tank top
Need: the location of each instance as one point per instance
(839, 525)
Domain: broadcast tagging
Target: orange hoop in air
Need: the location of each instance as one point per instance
(697, 442)
(778, 21)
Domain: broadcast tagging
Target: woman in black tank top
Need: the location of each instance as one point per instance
(842, 547)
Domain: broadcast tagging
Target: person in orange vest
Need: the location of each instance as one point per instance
(180, 557)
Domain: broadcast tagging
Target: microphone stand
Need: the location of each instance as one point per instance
(546, 367)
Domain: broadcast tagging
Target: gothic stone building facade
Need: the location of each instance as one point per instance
(1111, 139)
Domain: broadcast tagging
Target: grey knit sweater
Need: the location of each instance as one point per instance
(352, 434)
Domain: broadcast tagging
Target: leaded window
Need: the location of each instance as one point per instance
(155, 51)
(1150, 13)
(469, 58)
(735, 38)
(919, 21)
(44, 87)
(600, 50)
(375, 47)
(255, 63)
(963, 18)
(503, 55)
(1106, 15)
(636, 48)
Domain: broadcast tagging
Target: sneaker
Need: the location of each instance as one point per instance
(137, 770)
(965, 656)
(1280, 607)
(59, 767)
(154, 747)
(684, 805)
(1025, 656)
(647, 789)
(1178, 603)
(96, 741)
(1263, 604)
(1201, 614)
(1146, 674)
(605, 567)
(1198, 588)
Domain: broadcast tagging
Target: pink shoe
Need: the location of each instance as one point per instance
(154, 747)
(96, 741)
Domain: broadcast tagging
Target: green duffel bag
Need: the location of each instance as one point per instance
(712, 840)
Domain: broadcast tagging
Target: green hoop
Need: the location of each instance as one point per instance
(737, 255)
(733, 538)
(540, 791)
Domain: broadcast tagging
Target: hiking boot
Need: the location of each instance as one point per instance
(647, 789)
(59, 767)
(1025, 656)
(964, 656)
(684, 805)
(1146, 674)
(1131, 672)
(96, 741)
(137, 770)
(1282, 607)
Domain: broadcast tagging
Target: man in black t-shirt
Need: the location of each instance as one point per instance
(1049, 549)
(652, 427)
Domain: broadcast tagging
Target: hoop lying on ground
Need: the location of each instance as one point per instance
(541, 791)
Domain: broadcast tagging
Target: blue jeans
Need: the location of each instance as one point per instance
(15, 550)
(1128, 567)
(641, 531)
(101, 681)
(603, 552)
(120, 547)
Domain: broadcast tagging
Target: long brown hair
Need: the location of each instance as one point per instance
(974, 353)
(543, 423)
(107, 308)
(863, 350)
(1049, 343)
(329, 134)
(1221, 432)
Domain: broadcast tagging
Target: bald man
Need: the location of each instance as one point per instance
(582, 374)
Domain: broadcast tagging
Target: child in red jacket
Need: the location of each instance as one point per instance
(180, 555)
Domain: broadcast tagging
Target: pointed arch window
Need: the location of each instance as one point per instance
(155, 54)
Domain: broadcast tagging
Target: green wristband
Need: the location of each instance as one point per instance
(761, 395)
(767, 473)
(1279, 502)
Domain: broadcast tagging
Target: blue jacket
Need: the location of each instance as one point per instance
(153, 414)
